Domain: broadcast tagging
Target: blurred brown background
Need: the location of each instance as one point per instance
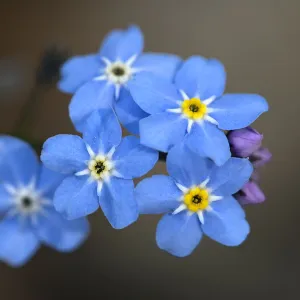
(259, 43)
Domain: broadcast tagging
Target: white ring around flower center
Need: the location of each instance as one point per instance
(183, 206)
(100, 167)
(206, 116)
(118, 72)
(26, 200)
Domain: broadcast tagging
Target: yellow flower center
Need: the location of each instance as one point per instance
(196, 199)
(194, 109)
(99, 167)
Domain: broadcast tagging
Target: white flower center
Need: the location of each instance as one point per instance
(118, 72)
(100, 167)
(26, 200)
(28, 203)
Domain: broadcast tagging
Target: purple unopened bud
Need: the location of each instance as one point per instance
(244, 141)
(260, 157)
(250, 194)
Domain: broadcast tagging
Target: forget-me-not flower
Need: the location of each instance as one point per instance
(100, 168)
(103, 77)
(197, 199)
(29, 219)
(193, 109)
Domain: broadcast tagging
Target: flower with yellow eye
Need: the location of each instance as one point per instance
(193, 109)
(196, 199)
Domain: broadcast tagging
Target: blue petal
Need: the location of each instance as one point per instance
(235, 111)
(159, 64)
(118, 203)
(18, 161)
(17, 243)
(122, 44)
(110, 43)
(102, 131)
(65, 153)
(153, 94)
(228, 204)
(157, 194)
(77, 71)
(178, 234)
(59, 233)
(133, 159)
(186, 167)
(231, 177)
(6, 200)
(92, 96)
(226, 224)
(162, 131)
(129, 113)
(76, 197)
(48, 181)
(202, 77)
(131, 43)
(207, 140)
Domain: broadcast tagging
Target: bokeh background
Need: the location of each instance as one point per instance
(259, 43)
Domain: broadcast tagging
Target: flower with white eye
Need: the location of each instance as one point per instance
(101, 80)
(117, 72)
(28, 216)
(27, 202)
(100, 167)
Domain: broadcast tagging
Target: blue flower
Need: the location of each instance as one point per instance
(29, 219)
(197, 197)
(193, 109)
(107, 73)
(100, 169)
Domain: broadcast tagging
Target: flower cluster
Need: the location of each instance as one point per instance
(173, 106)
